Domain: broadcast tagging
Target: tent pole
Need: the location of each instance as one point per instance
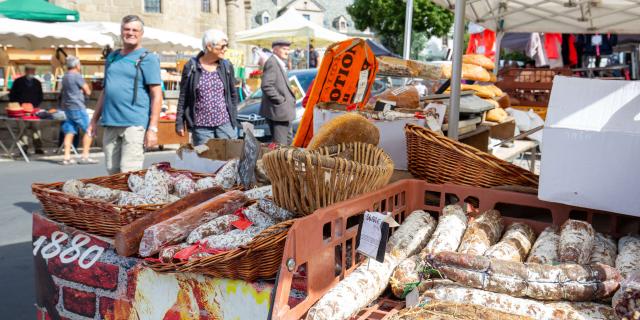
(499, 36)
(407, 29)
(456, 72)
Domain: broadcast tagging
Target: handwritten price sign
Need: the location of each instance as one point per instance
(85, 259)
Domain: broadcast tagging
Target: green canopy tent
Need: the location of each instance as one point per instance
(37, 10)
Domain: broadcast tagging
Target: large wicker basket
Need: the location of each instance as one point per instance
(304, 181)
(98, 217)
(259, 259)
(438, 159)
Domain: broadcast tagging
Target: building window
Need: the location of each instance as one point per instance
(265, 19)
(343, 26)
(152, 6)
(205, 6)
(306, 16)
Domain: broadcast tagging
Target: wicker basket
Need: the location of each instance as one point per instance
(438, 159)
(259, 259)
(304, 181)
(98, 217)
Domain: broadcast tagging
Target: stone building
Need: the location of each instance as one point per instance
(331, 14)
(190, 17)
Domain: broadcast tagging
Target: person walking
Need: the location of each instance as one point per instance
(129, 106)
(278, 103)
(27, 91)
(72, 102)
(313, 57)
(208, 96)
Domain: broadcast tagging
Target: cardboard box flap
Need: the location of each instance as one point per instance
(594, 105)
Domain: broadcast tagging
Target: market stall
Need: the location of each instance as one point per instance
(258, 231)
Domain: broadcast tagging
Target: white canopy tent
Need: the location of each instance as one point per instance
(559, 16)
(153, 39)
(290, 26)
(32, 35)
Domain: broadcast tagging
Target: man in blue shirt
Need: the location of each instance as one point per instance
(129, 106)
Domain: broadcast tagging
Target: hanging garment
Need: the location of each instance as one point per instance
(482, 43)
(569, 50)
(553, 49)
(535, 50)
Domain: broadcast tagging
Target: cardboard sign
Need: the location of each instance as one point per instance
(345, 76)
(249, 158)
(373, 235)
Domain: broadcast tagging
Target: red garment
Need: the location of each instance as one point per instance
(487, 38)
(573, 53)
(551, 43)
(306, 96)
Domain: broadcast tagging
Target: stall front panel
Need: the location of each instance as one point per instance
(79, 276)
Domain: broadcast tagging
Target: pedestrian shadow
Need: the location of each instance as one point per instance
(18, 281)
(29, 207)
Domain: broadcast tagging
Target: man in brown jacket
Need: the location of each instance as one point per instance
(278, 101)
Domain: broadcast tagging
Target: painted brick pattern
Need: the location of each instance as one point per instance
(80, 302)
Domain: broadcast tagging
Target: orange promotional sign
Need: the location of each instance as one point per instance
(345, 76)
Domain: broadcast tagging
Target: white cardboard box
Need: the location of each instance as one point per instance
(591, 150)
(392, 137)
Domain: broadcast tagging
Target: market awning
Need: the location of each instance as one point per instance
(32, 35)
(153, 39)
(37, 10)
(293, 27)
(566, 16)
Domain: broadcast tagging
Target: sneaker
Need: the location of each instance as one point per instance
(67, 162)
(87, 161)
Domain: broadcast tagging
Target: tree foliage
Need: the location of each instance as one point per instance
(386, 19)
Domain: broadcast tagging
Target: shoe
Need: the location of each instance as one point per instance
(87, 161)
(67, 162)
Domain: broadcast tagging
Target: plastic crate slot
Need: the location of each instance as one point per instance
(450, 198)
(524, 212)
(338, 260)
(326, 231)
(349, 256)
(299, 286)
(627, 225)
(354, 221)
(603, 223)
(383, 205)
(434, 214)
(578, 215)
(432, 198)
(472, 201)
(337, 228)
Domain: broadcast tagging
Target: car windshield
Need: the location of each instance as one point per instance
(304, 78)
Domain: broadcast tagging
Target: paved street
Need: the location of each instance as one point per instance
(16, 205)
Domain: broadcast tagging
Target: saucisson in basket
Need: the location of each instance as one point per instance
(570, 282)
(518, 306)
(626, 302)
(604, 250)
(514, 245)
(369, 280)
(177, 228)
(545, 249)
(483, 232)
(451, 226)
(127, 240)
(576, 241)
(628, 259)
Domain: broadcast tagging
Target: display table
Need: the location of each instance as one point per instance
(167, 134)
(519, 147)
(79, 275)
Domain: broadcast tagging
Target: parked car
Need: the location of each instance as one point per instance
(249, 109)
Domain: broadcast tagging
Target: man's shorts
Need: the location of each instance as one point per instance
(76, 119)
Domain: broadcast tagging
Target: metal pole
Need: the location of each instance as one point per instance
(407, 29)
(499, 36)
(456, 72)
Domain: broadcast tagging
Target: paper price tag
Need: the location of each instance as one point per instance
(373, 235)
(362, 86)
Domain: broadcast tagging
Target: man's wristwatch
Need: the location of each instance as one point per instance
(153, 129)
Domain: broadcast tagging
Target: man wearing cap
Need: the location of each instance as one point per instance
(28, 89)
(129, 106)
(278, 101)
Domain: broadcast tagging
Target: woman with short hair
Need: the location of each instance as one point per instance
(208, 97)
